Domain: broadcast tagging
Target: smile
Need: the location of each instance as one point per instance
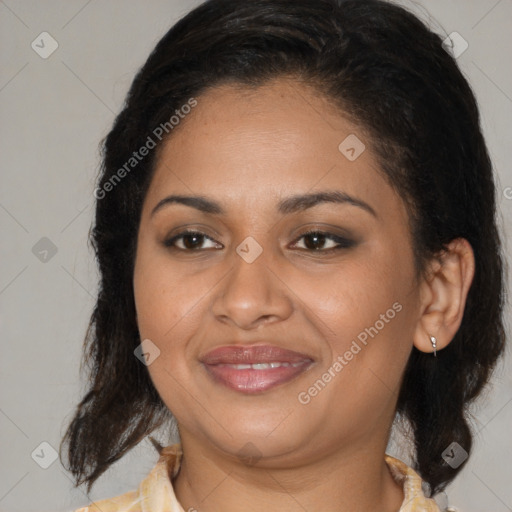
(261, 366)
(254, 369)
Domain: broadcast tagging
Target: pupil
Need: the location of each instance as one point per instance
(190, 237)
(317, 237)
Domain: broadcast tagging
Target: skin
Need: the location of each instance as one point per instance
(247, 150)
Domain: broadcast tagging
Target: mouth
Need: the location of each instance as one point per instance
(254, 369)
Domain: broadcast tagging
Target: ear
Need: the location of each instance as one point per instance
(443, 294)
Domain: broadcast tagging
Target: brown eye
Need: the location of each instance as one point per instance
(316, 241)
(189, 241)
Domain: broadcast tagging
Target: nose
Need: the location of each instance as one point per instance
(252, 293)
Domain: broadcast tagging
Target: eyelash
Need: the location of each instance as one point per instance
(343, 243)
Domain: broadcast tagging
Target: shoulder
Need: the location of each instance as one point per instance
(129, 502)
(155, 492)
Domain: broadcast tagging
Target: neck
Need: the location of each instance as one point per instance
(349, 479)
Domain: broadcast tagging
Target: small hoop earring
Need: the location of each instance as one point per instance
(434, 345)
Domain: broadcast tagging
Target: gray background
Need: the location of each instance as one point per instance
(54, 112)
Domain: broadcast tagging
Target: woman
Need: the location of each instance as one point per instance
(295, 225)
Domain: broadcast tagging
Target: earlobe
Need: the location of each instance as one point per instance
(443, 296)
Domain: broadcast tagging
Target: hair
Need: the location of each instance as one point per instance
(384, 69)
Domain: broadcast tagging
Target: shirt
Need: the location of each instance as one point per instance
(156, 493)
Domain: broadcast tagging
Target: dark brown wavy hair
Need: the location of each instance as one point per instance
(385, 70)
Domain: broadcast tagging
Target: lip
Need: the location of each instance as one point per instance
(232, 366)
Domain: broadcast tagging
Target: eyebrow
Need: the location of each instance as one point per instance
(286, 206)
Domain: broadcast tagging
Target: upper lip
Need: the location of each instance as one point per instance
(252, 354)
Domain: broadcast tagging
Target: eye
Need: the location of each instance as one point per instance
(315, 240)
(189, 240)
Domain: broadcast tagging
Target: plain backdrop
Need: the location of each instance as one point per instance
(54, 112)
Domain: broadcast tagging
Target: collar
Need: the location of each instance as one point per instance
(156, 493)
(414, 499)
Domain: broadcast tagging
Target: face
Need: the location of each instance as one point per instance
(283, 304)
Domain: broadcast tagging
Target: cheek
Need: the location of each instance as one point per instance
(357, 293)
(164, 296)
(369, 336)
(368, 310)
(172, 306)
(168, 312)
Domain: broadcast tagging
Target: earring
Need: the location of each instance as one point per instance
(434, 344)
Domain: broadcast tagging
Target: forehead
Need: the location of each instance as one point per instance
(252, 146)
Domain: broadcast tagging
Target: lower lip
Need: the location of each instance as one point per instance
(255, 381)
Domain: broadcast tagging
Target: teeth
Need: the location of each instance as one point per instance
(261, 366)
(264, 366)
